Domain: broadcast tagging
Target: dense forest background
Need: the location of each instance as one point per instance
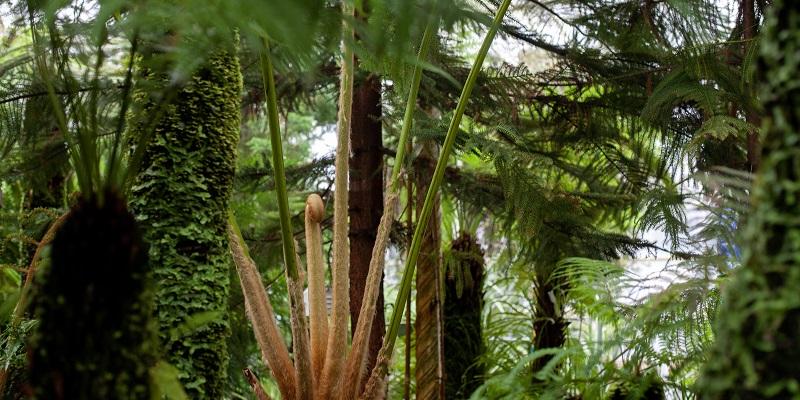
(430, 199)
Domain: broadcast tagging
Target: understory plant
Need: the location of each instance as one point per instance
(324, 366)
(88, 284)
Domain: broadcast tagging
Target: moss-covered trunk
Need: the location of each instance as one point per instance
(463, 304)
(181, 196)
(757, 344)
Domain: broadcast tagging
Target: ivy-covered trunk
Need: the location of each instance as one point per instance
(181, 197)
(463, 304)
(757, 345)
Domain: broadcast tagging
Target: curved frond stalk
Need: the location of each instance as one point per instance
(255, 384)
(22, 303)
(356, 360)
(411, 104)
(294, 278)
(48, 237)
(354, 370)
(259, 310)
(379, 372)
(302, 347)
(337, 335)
(318, 313)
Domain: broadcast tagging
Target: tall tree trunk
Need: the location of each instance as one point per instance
(756, 344)
(428, 325)
(409, 183)
(181, 198)
(750, 28)
(463, 304)
(366, 201)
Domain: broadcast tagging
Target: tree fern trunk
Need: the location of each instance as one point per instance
(756, 345)
(463, 304)
(428, 325)
(95, 338)
(181, 199)
(549, 325)
(366, 201)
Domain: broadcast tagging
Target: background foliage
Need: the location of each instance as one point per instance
(634, 117)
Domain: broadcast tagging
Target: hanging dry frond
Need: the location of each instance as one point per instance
(259, 311)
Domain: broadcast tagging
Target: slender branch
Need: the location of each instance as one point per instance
(300, 334)
(410, 221)
(411, 103)
(350, 381)
(30, 95)
(252, 379)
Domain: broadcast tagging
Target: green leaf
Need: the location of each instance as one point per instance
(165, 383)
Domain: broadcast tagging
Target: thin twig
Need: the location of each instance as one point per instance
(252, 379)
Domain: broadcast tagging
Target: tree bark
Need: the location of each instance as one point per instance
(549, 325)
(428, 325)
(750, 27)
(366, 201)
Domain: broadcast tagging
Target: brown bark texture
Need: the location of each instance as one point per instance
(366, 200)
(428, 325)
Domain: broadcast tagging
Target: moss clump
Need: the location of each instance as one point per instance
(95, 339)
(648, 387)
